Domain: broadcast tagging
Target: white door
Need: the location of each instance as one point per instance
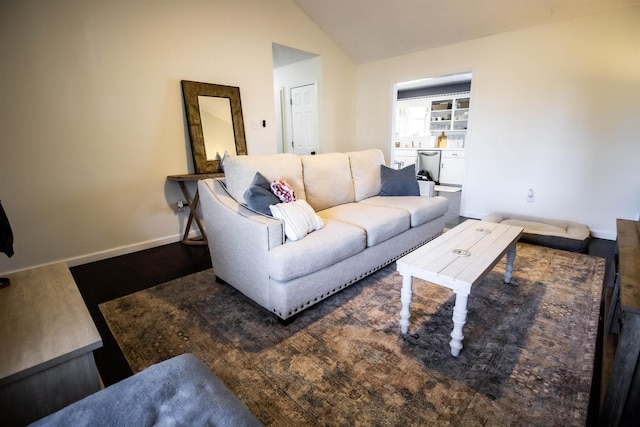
(304, 120)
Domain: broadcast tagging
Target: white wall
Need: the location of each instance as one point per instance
(91, 115)
(92, 120)
(555, 108)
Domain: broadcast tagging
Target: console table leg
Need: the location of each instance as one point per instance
(193, 215)
(405, 297)
(459, 319)
(511, 256)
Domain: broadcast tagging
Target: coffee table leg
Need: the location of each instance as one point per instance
(405, 297)
(511, 255)
(459, 319)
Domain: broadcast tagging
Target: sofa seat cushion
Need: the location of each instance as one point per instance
(379, 222)
(318, 250)
(421, 209)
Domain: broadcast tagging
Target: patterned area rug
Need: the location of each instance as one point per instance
(527, 357)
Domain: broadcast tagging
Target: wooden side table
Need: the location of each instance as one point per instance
(192, 202)
(621, 404)
(48, 338)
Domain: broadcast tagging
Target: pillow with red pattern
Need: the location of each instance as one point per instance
(281, 188)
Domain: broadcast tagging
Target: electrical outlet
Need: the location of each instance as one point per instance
(530, 196)
(180, 205)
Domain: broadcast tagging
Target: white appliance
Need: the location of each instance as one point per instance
(429, 160)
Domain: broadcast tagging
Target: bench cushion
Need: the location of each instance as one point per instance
(558, 234)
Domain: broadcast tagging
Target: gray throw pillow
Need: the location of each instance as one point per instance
(401, 182)
(259, 196)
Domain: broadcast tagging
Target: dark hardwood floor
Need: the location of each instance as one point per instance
(108, 279)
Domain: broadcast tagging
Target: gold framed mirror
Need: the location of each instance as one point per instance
(214, 118)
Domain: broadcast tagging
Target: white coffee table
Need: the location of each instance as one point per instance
(458, 259)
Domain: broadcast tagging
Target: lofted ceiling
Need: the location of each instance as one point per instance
(371, 30)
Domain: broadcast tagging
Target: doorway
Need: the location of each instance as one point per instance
(296, 77)
(431, 119)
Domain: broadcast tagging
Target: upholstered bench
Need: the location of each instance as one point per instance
(180, 391)
(565, 235)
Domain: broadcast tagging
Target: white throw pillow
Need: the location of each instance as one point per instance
(299, 218)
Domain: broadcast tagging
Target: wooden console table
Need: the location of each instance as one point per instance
(192, 202)
(621, 405)
(48, 338)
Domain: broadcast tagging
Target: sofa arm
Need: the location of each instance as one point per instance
(223, 212)
(427, 188)
(239, 240)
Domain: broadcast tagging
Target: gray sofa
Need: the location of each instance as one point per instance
(180, 391)
(362, 231)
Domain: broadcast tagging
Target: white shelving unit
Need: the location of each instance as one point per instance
(420, 120)
(450, 114)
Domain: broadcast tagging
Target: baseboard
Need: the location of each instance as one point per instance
(110, 253)
(124, 250)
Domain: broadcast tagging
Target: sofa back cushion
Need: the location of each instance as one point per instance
(239, 172)
(365, 170)
(327, 180)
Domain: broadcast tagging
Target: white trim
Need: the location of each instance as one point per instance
(110, 253)
(283, 120)
(124, 250)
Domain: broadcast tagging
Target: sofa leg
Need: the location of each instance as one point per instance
(288, 320)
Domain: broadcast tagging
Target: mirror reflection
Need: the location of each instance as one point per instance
(214, 117)
(217, 127)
